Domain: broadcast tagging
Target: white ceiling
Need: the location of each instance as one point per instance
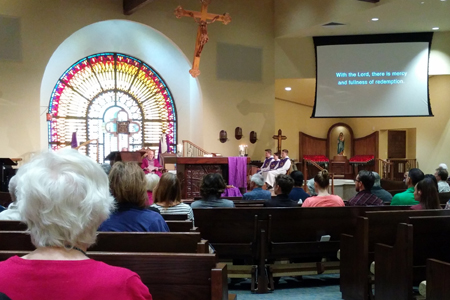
(304, 18)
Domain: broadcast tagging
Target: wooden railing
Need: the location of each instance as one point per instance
(88, 142)
(192, 150)
(305, 173)
(386, 169)
(402, 165)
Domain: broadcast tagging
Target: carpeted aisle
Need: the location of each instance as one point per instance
(321, 287)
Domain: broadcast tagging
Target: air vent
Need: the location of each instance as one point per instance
(333, 24)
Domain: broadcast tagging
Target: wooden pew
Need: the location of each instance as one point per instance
(235, 234)
(12, 226)
(181, 226)
(175, 217)
(241, 233)
(295, 234)
(438, 278)
(167, 242)
(174, 226)
(357, 250)
(169, 276)
(249, 203)
(402, 265)
(444, 197)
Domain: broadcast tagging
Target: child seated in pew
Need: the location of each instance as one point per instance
(323, 198)
(425, 192)
(167, 197)
(128, 186)
(63, 197)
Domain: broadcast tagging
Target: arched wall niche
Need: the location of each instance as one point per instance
(137, 40)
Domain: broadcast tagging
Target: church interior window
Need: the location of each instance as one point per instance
(114, 98)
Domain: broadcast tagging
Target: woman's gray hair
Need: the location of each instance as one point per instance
(63, 197)
(12, 185)
(257, 179)
(152, 180)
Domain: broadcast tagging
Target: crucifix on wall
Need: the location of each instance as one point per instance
(203, 18)
(280, 137)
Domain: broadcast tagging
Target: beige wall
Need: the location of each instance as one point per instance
(226, 104)
(432, 134)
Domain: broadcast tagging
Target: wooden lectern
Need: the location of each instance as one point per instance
(190, 171)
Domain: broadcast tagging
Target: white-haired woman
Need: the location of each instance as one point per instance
(63, 197)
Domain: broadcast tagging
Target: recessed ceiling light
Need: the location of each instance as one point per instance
(422, 2)
(288, 88)
(443, 0)
(375, 19)
(435, 28)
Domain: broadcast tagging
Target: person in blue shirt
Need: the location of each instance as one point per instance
(297, 192)
(257, 193)
(128, 186)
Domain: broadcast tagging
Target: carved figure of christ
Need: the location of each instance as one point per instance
(280, 137)
(203, 18)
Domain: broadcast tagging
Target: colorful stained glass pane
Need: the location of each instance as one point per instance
(98, 91)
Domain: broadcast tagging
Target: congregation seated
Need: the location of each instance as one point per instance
(211, 189)
(441, 177)
(407, 197)
(152, 180)
(257, 193)
(323, 198)
(283, 186)
(167, 197)
(426, 194)
(378, 191)
(63, 210)
(128, 186)
(284, 165)
(297, 193)
(11, 213)
(363, 185)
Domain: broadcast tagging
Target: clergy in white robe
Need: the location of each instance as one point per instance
(266, 165)
(283, 167)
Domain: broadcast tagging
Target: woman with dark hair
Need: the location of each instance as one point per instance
(128, 186)
(211, 189)
(426, 193)
(323, 198)
(167, 197)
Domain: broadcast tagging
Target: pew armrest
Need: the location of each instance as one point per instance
(203, 246)
(219, 282)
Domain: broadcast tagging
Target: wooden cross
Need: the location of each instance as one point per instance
(203, 18)
(280, 137)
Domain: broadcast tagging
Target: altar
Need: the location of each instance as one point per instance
(190, 171)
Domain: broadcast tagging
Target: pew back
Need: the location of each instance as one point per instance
(167, 242)
(168, 276)
(438, 277)
(12, 226)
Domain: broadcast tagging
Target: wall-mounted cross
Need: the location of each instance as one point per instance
(280, 137)
(203, 18)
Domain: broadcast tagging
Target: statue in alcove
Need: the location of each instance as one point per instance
(341, 144)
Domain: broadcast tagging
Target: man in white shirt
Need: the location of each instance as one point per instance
(283, 167)
(441, 177)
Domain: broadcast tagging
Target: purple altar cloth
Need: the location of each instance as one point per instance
(231, 192)
(237, 172)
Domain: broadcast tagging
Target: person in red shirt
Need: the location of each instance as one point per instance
(323, 198)
(63, 197)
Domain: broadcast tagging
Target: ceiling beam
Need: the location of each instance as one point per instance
(371, 1)
(131, 6)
